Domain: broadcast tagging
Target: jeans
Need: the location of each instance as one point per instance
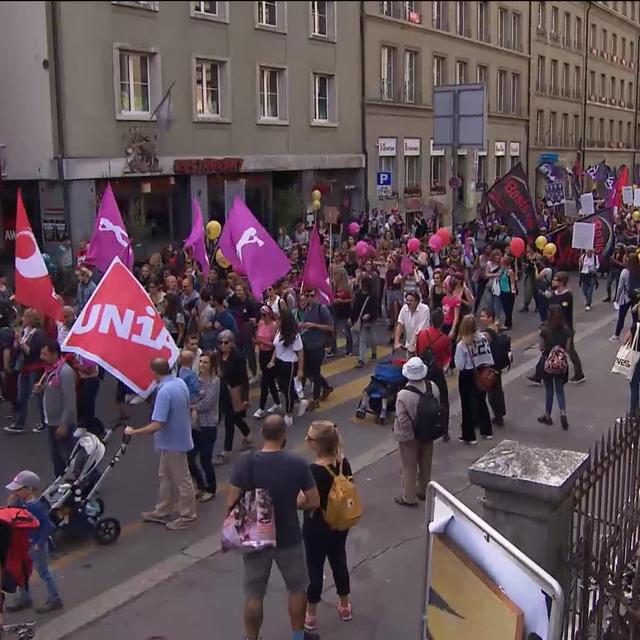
(612, 279)
(60, 448)
(342, 324)
(507, 300)
(26, 381)
(529, 290)
(634, 385)
(623, 309)
(588, 285)
(496, 398)
(267, 381)
(87, 395)
(575, 358)
(366, 339)
(313, 359)
(231, 419)
(482, 284)
(320, 546)
(204, 439)
(557, 382)
(40, 557)
(495, 303)
(474, 407)
(285, 373)
(542, 302)
(245, 342)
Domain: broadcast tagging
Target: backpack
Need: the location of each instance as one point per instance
(16, 524)
(501, 350)
(344, 508)
(428, 425)
(428, 356)
(557, 363)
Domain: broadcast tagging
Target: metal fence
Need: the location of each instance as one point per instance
(603, 598)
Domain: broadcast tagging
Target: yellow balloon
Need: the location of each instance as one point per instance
(221, 260)
(316, 204)
(636, 215)
(549, 249)
(541, 241)
(213, 229)
(316, 195)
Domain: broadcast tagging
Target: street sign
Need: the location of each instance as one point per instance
(460, 116)
(548, 157)
(384, 179)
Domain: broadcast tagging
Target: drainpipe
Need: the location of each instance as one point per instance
(583, 160)
(363, 107)
(528, 123)
(635, 111)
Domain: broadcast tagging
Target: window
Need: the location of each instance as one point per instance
(481, 78)
(613, 93)
(542, 17)
(601, 132)
(566, 79)
(207, 8)
(628, 138)
(500, 166)
(611, 131)
(623, 48)
(555, 18)
(412, 177)
(554, 77)
(577, 82)
(566, 30)
(207, 88)
(502, 91)
(461, 19)
(591, 131)
(632, 56)
(622, 90)
(514, 97)
(319, 14)
(439, 71)
(605, 40)
(483, 21)
(267, 13)
(578, 38)
(575, 132)
(592, 83)
(461, 72)
(630, 100)
(387, 164)
(593, 36)
(410, 58)
(481, 172)
(620, 137)
(388, 58)
(516, 22)
(502, 27)
(437, 173)
(271, 81)
(553, 128)
(539, 127)
(134, 82)
(603, 85)
(614, 44)
(542, 72)
(437, 14)
(321, 97)
(564, 130)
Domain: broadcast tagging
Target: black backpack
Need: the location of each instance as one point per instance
(500, 350)
(428, 424)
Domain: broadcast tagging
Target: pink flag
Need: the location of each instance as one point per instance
(246, 244)
(315, 270)
(110, 239)
(196, 238)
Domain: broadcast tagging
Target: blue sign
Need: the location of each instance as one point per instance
(548, 157)
(384, 178)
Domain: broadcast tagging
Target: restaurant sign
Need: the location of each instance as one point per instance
(206, 166)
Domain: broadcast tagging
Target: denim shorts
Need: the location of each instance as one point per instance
(291, 564)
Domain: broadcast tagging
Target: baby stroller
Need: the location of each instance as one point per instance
(72, 498)
(379, 396)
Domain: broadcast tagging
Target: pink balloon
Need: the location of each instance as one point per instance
(372, 251)
(406, 266)
(354, 228)
(435, 243)
(517, 247)
(362, 249)
(444, 234)
(413, 245)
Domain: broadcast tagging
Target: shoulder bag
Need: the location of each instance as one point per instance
(484, 377)
(357, 325)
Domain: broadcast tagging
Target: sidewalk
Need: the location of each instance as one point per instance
(386, 549)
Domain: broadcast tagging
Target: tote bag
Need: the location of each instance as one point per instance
(627, 357)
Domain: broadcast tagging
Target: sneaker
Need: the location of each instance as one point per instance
(534, 381)
(152, 516)
(326, 392)
(19, 605)
(577, 379)
(254, 379)
(179, 523)
(564, 422)
(288, 421)
(614, 338)
(39, 428)
(329, 354)
(310, 622)
(50, 605)
(587, 308)
(302, 407)
(205, 496)
(545, 420)
(14, 429)
(469, 442)
(490, 437)
(344, 611)
(274, 408)
(259, 414)
(136, 400)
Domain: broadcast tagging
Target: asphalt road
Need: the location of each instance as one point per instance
(385, 549)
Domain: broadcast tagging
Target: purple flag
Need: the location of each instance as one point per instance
(196, 238)
(610, 187)
(110, 239)
(246, 244)
(315, 270)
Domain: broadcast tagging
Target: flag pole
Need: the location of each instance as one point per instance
(164, 97)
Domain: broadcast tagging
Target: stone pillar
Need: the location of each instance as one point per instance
(81, 200)
(527, 498)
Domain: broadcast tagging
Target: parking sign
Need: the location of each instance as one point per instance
(383, 183)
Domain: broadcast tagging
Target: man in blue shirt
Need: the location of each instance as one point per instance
(171, 428)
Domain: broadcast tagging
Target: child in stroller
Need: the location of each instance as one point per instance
(72, 498)
(379, 396)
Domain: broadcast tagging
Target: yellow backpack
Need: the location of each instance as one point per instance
(344, 508)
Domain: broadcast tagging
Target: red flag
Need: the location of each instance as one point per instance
(33, 284)
(315, 270)
(121, 330)
(622, 181)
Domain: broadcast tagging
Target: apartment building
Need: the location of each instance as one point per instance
(263, 99)
(584, 82)
(410, 47)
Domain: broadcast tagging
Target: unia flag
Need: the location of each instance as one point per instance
(315, 270)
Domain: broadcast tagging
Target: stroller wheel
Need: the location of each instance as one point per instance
(107, 530)
(361, 413)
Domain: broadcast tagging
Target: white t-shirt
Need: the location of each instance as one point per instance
(287, 354)
(413, 323)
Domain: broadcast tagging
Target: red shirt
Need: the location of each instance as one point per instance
(438, 342)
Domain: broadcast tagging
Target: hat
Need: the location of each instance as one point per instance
(266, 309)
(414, 369)
(24, 479)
